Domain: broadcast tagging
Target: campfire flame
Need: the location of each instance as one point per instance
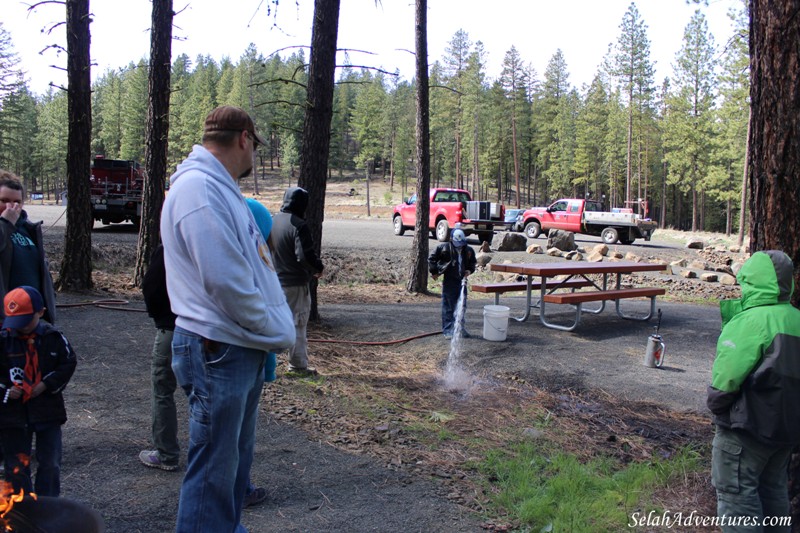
(8, 497)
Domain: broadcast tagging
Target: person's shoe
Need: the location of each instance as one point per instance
(153, 459)
(256, 497)
(302, 372)
(465, 334)
(448, 336)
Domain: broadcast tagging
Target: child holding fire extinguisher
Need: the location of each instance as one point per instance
(36, 363)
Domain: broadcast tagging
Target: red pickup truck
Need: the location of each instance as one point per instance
(448, 208)
(587, 217)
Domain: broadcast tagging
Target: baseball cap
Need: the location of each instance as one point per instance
(458, 238)
(20, 305)
(230, 118)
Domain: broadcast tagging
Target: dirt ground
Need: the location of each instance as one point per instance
(383, 442)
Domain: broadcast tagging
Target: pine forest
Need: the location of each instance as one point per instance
(517, 136)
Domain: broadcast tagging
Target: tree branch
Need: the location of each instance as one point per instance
(284, 80)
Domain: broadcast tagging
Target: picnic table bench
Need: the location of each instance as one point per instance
(520, 286)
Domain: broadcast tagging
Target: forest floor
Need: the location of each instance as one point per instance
(381, 441)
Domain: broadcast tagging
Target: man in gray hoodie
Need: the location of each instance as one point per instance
(297, 263)
(230, 312)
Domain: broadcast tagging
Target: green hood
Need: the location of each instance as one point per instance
(765, 279)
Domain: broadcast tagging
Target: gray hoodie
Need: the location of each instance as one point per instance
(220, 274)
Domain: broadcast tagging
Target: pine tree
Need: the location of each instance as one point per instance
(689, 134)
(513, 79)
(632, 67)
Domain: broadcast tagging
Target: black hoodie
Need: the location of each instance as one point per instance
(296, 260)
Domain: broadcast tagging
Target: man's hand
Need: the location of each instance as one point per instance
(12, 212)
(14, 393)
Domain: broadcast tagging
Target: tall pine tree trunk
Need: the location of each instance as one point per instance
(317, 124)
(156, 135)
(418, 275)
(76, 265)
(774, 147)
(745, 183)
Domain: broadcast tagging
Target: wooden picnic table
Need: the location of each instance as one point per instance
(560, 275)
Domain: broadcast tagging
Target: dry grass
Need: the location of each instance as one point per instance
(391, 403)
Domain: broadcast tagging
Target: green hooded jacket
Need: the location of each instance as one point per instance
(755, 380)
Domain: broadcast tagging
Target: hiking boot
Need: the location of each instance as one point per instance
(257, 496)
(301, 372)
(465, 334)
(153, 459)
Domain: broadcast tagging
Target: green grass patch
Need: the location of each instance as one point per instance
(550, 490)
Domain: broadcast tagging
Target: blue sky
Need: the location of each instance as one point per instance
(582, 29)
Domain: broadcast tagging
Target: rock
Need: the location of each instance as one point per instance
(535, 249)
(509, 242)
(595, 257)
(485, 248)
(679, 263)
(698, 265)
(483, 259)
(727, 279)
(615, 255)
(735, 267)
(630, 256)
(563, 240)
(695, 244)
(601, 249)
(689, 274)
(533, 433)
(573, 256)
(734, 248)
(708, 276)
(555, 252)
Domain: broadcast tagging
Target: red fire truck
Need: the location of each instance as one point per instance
(115, 187)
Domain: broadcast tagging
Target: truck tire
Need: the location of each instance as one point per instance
(610, 236)
(486, 236)
(442, 231)
(399, 229)
(533, 230)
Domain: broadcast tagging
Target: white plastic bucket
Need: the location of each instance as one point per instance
(495, 322)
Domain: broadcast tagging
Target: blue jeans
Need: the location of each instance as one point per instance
(223, 383)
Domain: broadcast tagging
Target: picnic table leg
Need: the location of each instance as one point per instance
(527, 314)
(632, 317)
(602, 303)
(553, 325)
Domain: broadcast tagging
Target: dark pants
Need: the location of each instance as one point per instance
(751, 479)
(16, 454)
(451, 290)
(17, 445)
(48, 455)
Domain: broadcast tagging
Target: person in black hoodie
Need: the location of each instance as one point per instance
(164, 384)
(36, 363)
(455, 261)
(296, 263)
